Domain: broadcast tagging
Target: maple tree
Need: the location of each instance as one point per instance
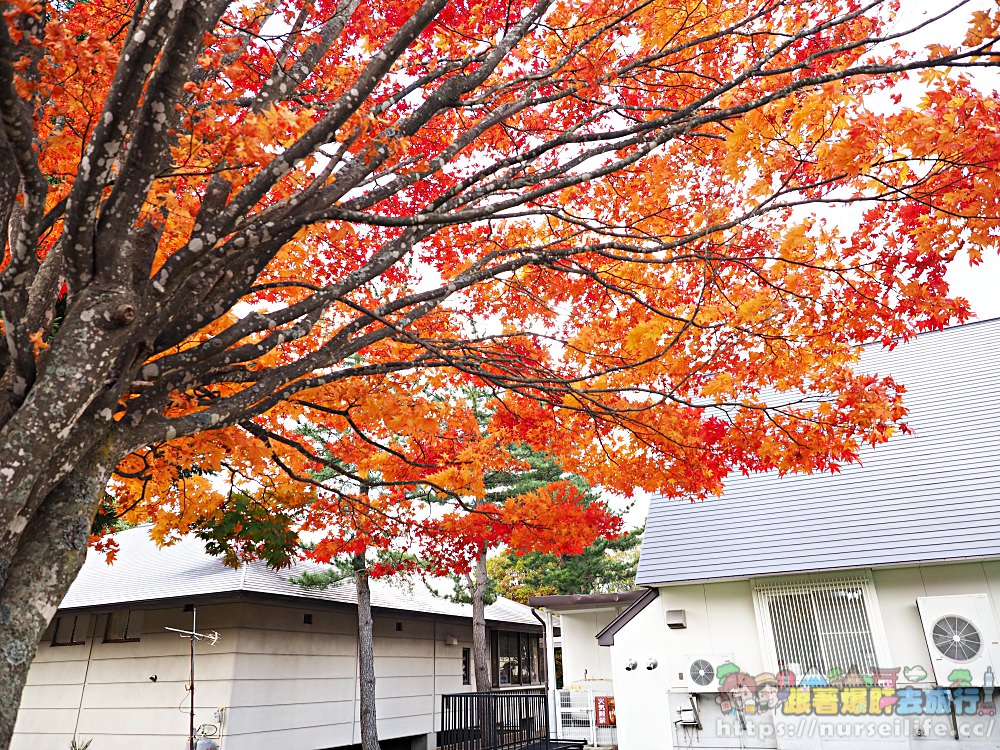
(553, 518)
(222, 221)
(520, 501)
(528, 506)
(366, 533)
(357, 519)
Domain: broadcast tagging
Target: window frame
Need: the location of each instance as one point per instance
(466, 665)
(765, 588)
(133, 624)
(536, 676)
(80, 622)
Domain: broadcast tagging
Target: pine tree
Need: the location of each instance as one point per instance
(606, 565)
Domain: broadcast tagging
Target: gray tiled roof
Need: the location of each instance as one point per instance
(933, 495)
(145, 573)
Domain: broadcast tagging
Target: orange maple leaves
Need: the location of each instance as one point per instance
(618, 234)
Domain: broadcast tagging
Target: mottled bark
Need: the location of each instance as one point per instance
(366, 656)
(480, 646)
(47, 560)
(481, 654)
(67, 411)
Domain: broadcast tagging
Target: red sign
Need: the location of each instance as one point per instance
(604, 709)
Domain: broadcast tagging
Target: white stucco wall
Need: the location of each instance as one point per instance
(584, 662)
(641, 694)
(722, 625)
(298, 688)
(103, 690)
(279, 681)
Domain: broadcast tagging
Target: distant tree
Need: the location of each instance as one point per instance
(549, 531)
(356, 530)
(356, 568)
(606, 565)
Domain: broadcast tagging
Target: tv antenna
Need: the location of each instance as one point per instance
(212, 636)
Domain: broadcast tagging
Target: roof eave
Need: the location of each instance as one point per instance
(607, 636)
(813, 571)
(257, 597)
(576, 602)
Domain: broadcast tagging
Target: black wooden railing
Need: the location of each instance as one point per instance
(504, 720)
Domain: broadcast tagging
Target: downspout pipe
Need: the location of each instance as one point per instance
(550, 665)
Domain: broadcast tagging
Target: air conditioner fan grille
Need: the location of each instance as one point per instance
(702, 672)
(956, 638)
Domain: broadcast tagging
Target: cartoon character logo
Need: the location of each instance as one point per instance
(916, 673)
(987, 706)
(786, 681)
(960, 678)
(724, 670)
(886, 678)
(738, 692)
(814, 678)
(768, 692)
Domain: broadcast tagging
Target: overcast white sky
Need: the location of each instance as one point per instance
(981, 285)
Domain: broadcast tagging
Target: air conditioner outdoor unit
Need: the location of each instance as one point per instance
(962, 638)
(700, 672)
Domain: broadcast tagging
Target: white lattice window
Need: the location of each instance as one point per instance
(823, 625)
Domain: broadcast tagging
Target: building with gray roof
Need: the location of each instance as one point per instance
(856, 609)
(276, 663)
(928, 496)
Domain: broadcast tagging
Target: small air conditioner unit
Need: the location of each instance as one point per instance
(699, 672)
(962, 638)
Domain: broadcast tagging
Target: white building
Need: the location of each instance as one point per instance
(878, 587)
(282, 674)
(584, 708)
(575, 619)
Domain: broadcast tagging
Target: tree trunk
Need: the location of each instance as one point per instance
(366, 656)
(50, 555)
(480, 647)
(485, 709)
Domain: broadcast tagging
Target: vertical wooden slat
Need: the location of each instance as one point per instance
(815, 599)
(854, 629)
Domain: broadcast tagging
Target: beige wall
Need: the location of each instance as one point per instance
(279, 682)
(303, 689)
(898, 588)
(722, 624)
(641, 694)
(103, 690)
(584, 662)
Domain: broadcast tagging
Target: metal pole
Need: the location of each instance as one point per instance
(592, 713)
(194, 635)
(550, 651)
(194, 629)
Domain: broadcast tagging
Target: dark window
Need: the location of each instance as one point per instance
(69, 630)
(517, 659)
(537, 654)
(527, 669)
(123, 627)
(466, 666)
